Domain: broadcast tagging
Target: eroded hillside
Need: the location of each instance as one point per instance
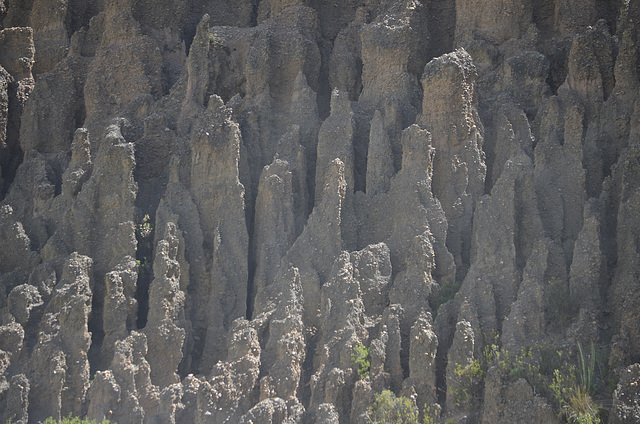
(210, 209)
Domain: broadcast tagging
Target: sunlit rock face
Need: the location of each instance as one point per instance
(287, 211)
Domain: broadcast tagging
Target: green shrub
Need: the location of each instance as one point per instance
(573, 386)
(430, 415)
(581, 408)
(361, 360)
(568, 380)
(389, 409)
(471, 379)
(145, 229)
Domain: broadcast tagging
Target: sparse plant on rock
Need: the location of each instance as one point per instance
(572, 389)
(389, 409)
(430, 415)
(144, 228)
(361, 360)
(581, 408)
(471, 377)
(567, 381)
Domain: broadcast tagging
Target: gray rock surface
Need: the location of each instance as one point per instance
(206, 206)
(625, 401)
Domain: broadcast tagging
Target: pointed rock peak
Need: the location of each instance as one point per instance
(335, 178)
(278, 167)
(329, 206)
(340, 104)
(377, 122)
(76, 270)
(119, 23)
(301, 88)
(79, 168)
(80, 140)
(380, 167)
(114, 135)
(217, 107)
(292, 300)
(80, 147)
(174, 169)
(202, 31)
(417, 151)
(457, 65)
(198, 72)
(17, 51)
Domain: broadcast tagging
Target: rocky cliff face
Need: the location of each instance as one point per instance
(208, 207)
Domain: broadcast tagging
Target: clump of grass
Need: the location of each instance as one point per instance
(572, 390)
(581, 408)
(587, 368)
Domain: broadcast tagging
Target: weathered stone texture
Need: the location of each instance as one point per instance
(208, 205)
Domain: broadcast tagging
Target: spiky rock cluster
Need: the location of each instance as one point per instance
(407, 176)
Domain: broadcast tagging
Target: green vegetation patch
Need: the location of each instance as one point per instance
(361, 358)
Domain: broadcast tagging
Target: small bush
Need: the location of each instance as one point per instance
(430, 415)
(575, 403)
(581, 408)
(389, 409)
(567, 380)
(144, 228)
(361, 360)
(471, 378)
(572, 389)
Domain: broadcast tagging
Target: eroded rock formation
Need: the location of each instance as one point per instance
(208, 208)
